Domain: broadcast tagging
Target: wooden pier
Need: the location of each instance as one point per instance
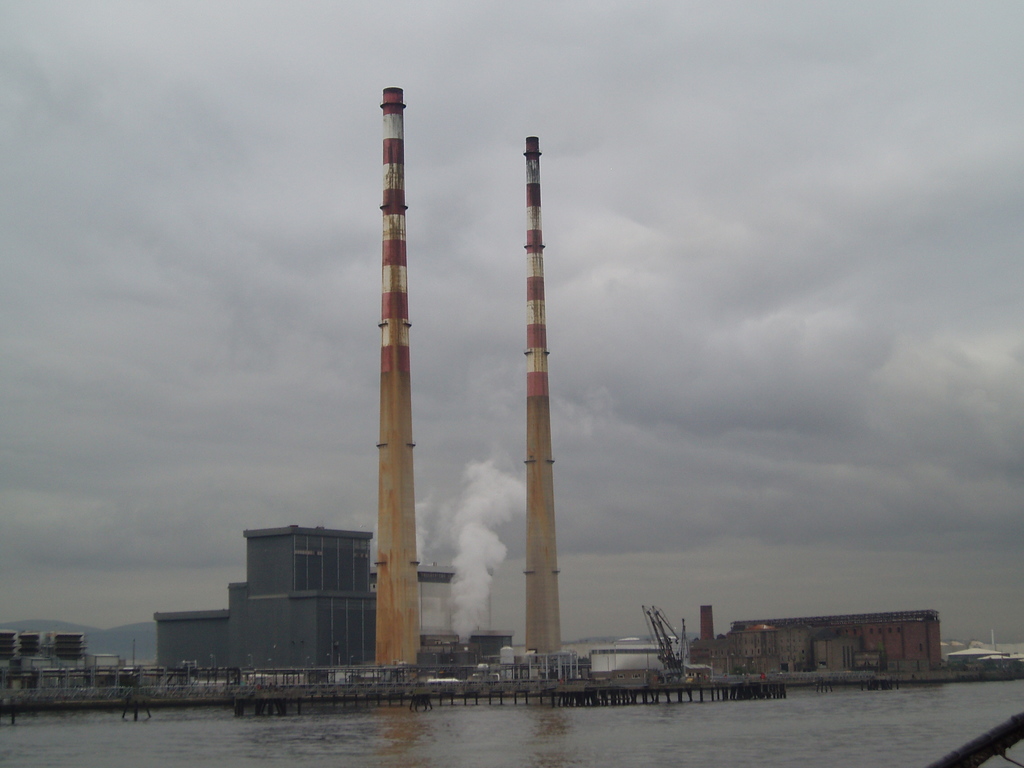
(291, 699)
(419, 697)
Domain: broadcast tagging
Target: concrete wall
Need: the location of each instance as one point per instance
(835, 653)
(197, 636)
(345, 629)
(268, 565)
(795, 649)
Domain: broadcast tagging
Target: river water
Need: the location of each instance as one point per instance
(910, 727)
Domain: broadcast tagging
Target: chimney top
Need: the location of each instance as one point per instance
(393, 96)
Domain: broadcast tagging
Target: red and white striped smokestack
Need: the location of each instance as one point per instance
(398, 621)
(543, 621)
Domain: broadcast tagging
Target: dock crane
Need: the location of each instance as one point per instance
(672, 659)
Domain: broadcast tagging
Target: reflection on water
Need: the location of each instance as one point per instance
(851, 728)
(403, 738)
(551, 745)
(475, 735)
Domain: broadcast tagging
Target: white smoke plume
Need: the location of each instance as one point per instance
(426, 513)
(489, 498)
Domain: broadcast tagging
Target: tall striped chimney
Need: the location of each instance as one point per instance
(543, 622)
(398, 620)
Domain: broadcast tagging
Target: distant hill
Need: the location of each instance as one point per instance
(116, 640)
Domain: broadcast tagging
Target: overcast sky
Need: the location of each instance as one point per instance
(784, 269)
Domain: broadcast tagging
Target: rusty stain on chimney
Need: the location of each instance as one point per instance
(398, 621)
(543, 622)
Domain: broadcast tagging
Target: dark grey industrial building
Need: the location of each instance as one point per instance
(307, 603)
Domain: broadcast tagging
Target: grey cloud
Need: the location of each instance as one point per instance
(782, 267)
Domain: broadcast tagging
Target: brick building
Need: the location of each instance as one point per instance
(904, 641)
(901, 641)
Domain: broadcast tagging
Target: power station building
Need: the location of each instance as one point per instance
(309, 599)
(307, 603)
